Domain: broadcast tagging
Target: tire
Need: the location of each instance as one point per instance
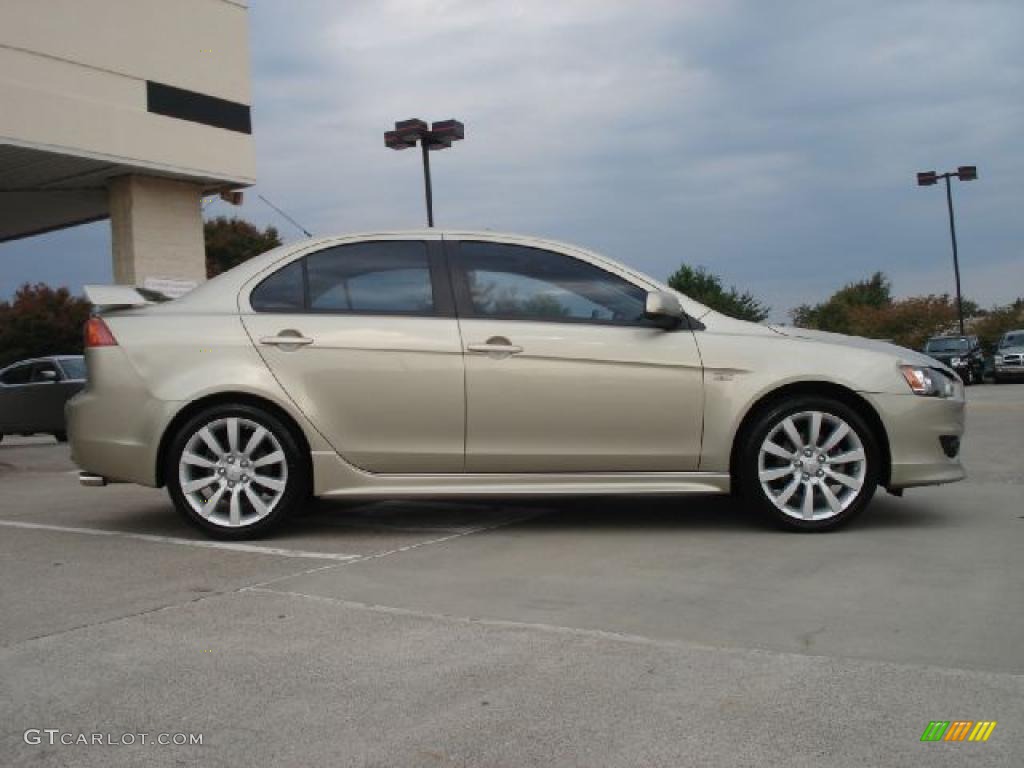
(968, 378)
(62, 437)
(772, 481)
(245, 507)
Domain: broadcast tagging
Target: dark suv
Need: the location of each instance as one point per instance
(961, 353)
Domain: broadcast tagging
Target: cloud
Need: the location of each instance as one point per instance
(774, 143)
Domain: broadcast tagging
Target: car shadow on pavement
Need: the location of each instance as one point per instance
(697, 513)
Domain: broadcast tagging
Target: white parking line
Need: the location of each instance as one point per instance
(204, 543)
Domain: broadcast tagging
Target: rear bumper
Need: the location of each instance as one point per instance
(914, 426)
(117, 435)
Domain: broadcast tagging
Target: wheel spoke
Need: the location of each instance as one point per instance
(849, 482)
(196, 460)
(236, 508)
(845, 458)
(269, 482)
(833, 502)
(815, 431)
(211, 503)
(271, 458)
(841, 431)
(256, 501)
(787, 492)
(792, 433)
(777, 450)
(767, 475)
(211, 442)
(808, 506)
(254, 440)
(233, 435)
(197, 485)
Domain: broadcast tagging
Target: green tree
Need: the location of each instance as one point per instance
(707, 288)
(41, 320)
(230, 241)
(835, 313)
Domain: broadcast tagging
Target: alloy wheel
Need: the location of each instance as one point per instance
(233, 472)
(812, 465)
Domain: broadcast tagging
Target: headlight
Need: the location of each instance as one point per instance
(928, 382)
(956, 361)
(999, 360)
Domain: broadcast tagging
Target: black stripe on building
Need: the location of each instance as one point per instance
(197, 107)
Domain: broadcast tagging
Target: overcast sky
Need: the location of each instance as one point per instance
(773, 142)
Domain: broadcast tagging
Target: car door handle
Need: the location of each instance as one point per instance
(286, 341)
(497, 345)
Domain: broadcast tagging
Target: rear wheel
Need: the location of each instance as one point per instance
(810, 463)
(236, 471)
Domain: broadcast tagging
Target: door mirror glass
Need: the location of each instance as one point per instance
(663, 309)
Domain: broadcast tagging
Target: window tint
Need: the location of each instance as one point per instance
(74, 367)
(18, 375)
(383, 276)
(517, 282)
(39, 368)
(281, 292)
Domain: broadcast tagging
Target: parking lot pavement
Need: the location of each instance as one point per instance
(593, 632)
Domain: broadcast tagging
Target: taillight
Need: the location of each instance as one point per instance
(97, 334)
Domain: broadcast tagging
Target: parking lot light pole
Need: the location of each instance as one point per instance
(927, 179)
(438, 136)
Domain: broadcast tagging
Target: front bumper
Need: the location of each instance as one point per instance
(915, 425)
(1009, 371)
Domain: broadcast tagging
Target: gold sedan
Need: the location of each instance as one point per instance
(470, 364)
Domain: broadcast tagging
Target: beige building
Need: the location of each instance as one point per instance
(127, 109)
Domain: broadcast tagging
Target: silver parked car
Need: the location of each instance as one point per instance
(472, 364)
(33, 394)
(1008, 363)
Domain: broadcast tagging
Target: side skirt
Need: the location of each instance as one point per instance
(333, 478)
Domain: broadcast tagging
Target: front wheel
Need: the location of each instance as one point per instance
(236, 471)
(809, 464)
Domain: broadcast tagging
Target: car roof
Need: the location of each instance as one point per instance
(220, 292)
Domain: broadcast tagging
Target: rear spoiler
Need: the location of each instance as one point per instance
(113, 296)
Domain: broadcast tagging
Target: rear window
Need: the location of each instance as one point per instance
(283, 291)
(74, 367)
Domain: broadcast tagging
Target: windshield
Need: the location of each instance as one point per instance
(1012, 340)
(74, 367)
(946, 345)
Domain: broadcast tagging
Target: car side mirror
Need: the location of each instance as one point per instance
(663, 309)
(48, 376)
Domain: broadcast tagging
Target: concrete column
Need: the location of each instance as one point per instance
(157, 231)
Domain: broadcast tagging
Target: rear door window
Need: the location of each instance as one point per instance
(387, 276)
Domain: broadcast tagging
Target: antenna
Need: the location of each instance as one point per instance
(305, 231)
